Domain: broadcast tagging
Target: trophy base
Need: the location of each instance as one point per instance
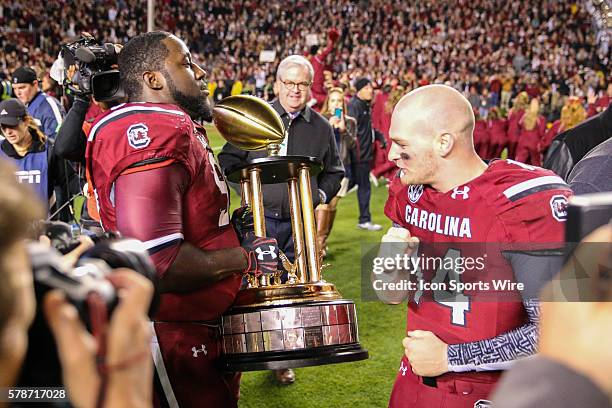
(285, 295)
(294, 359)
(288, 326)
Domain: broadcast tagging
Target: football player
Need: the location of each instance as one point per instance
(155, 179)
(448, 201)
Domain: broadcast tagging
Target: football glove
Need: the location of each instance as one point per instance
(242, 221)
(262, 255)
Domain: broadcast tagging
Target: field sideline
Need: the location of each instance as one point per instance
(364, 384)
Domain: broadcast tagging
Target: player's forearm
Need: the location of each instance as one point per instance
(194, 268)
(497, 353)
(124, 391)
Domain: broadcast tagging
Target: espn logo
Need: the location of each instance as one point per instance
(28, 176)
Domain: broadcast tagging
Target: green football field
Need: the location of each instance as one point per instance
(364, 384)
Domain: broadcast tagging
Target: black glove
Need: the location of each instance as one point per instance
(262, 254)
(242, 221)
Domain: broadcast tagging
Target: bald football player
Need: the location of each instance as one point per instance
(456, 206)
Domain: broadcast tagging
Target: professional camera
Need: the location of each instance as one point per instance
(87, 287)
(91, 272)
(96, 75)
(61, 236)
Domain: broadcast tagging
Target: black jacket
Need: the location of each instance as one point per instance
(70, 141)
(310, 134)
(362, 112)
(569, 147)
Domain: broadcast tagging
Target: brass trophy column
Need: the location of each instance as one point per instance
(302, 320)
(257, 203)
(298, 232)
(310, 228)
(245, 192)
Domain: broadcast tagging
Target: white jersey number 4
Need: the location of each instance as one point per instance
(456, 301)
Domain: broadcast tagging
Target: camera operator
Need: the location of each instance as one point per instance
(126, 368)
(78, 78)
(33, 154)
(72, 140)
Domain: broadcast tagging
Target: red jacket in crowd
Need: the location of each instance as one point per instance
(481, 139)
(498, 129)
(599, 106)
(528, 149)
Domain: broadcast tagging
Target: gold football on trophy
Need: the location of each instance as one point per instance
(248, 122)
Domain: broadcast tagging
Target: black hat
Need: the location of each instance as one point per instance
(24, 75)
(11, 112)
(360, 83)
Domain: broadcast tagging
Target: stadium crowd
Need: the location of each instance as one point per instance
(490, 51)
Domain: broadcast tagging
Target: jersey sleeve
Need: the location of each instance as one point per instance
(393, 206)
(149, 208)
(534, 210)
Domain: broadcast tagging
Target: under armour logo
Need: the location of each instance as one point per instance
(261, 252)
(4, 112)
(403, 369)
(463, 193)
(200, 350)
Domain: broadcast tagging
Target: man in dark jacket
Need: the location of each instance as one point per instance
(310, 134)
(359, 107)
(569, 147)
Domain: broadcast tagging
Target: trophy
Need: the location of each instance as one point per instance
(303, 321)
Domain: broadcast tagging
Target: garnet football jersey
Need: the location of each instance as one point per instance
(140, 136)
(510, 207)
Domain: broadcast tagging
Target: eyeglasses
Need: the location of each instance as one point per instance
(302, 86)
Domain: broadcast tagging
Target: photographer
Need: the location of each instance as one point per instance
(33, 154)
(78, 79)
(123, 377)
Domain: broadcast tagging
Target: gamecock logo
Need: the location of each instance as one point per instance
(415, 192)
(558, 205)
(138, 136)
